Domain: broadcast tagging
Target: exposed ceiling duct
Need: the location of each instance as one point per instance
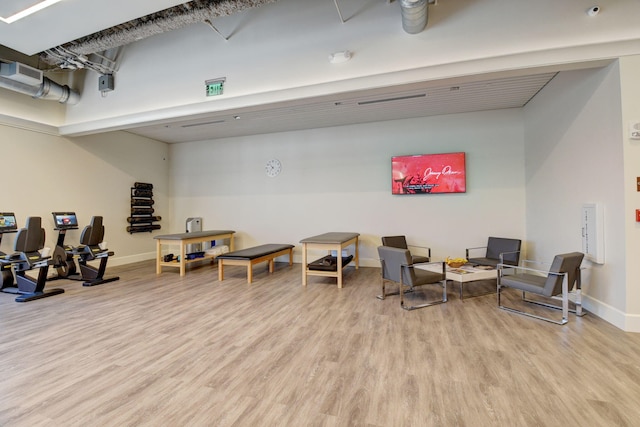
(30, 81)
(48, 90)
(414, 15)
(84, 52)
(75, 53)
(99, 51)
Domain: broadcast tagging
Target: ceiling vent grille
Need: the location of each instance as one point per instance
(21, 73)
(202, 124)
(396, 98)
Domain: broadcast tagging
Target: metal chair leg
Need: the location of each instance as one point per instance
(426, 304)
(565, 306)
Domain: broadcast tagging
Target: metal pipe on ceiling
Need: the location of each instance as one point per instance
(414, 15)
(47, 90)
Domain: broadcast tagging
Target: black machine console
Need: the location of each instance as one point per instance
(8, 222)
(65, 220)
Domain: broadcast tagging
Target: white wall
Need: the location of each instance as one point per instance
(630, 94)
(574, 156)
(90, 176)
(28, 113)
(339, 179)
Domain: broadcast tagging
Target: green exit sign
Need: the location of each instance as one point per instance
(214, 87)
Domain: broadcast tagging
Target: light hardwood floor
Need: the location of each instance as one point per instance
(168, 351)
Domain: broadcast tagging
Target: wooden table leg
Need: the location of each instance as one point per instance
(220, 270)
(357, 255)
(339, 259)
(183, 262)
(304, 264)
(158, 257)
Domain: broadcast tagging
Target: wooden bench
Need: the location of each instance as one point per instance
(251, 256)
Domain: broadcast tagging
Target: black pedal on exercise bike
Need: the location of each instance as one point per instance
(63, 261)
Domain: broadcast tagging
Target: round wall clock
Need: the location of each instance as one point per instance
(273, 167)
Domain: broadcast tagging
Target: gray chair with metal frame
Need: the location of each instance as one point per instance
(499, 250)
(560, 279)
(398, 267)
(400, 242)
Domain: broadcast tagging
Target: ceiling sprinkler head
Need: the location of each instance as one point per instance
(593, 10)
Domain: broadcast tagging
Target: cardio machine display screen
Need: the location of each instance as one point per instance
(65, 220)
(7, 222)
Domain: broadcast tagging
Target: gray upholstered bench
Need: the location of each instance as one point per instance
(254, 255)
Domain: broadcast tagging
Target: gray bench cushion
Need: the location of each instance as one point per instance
(333, 237)
(256, 251)
(181, 236)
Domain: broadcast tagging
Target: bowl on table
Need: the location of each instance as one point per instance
(455, 262)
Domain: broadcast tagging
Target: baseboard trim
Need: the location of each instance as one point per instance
(116, 260)
(625, 321)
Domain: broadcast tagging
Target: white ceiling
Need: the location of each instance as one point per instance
(72, 19)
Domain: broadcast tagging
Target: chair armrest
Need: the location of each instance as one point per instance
(578, 281)
(466, 251)
(442, 263)
(528, 269)
(530, 262)
(422, 247)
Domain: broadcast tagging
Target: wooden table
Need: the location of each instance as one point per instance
(184, 239)
(333, 241)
